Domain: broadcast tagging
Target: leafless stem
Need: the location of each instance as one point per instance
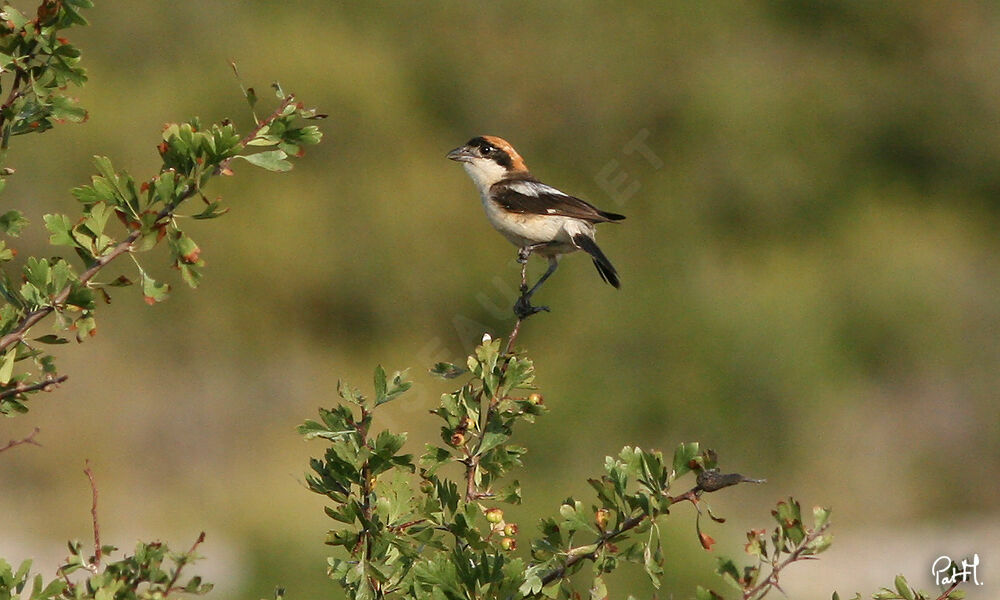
(93, 513)
(125, 246)
(28, 440)
(22, 388)
(513, 336)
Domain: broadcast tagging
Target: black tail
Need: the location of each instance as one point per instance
(604, 267)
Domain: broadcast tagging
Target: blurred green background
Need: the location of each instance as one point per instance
(811, 276)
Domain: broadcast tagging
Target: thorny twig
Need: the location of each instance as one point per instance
(93, 513)
(28, 440)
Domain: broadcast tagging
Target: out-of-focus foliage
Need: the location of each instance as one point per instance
(152, 571)
(810, 259)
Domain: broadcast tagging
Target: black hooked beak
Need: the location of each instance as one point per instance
(462, 154)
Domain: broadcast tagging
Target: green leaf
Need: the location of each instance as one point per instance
(821, 516)
(902, 587)
(211, 211)
(684, 456)
(37, 273)
(574, 518)
(653, 556)
(389, 391)
(7, 367)
(510, 494)
(494, 435)
(350, 393)
(153, 291)
(12, 222)
(85, 327)
(598, 591)
(65, 108)
(81, 297)
(52, 339)
(311, 429)
(60, 227)
(381, 386)
(272, 160)
(97, 217)
(446, 370)
(520, 373)
(62, 273)
(32, 295)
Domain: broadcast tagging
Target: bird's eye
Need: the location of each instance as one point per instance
(487, 150)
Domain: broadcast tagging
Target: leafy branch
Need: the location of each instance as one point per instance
(409, 538)
(191, 157)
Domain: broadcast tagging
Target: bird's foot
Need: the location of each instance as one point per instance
(524, 309)
(523, 254)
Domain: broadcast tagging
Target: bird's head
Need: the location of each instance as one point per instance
(488, 159)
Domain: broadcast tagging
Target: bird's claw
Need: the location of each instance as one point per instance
(524, 309)
(522, 255)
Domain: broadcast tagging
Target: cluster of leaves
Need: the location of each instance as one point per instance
(789, 542)
(37, 65)
(409, 530)
(145, 212)
(152, 571)
(901, 590)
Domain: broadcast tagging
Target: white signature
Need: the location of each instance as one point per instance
(947, 572)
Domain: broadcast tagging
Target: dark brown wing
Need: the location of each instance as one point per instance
(527, 196)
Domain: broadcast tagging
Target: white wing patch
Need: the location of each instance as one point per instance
(534, 189)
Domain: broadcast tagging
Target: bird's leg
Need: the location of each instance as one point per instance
(523, 254)
(523, 307)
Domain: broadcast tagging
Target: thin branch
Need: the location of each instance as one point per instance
(472, 492)
(15, 93)
(125, 246)
(288, 101)
(181, 561)
(947, 593)
(772, 579)
(93, 514)
(23, 388)
(28, 440)
(122, 247)
(471, 460)
(513, 336)
(628, 524)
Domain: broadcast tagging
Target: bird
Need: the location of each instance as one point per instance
(535, 217)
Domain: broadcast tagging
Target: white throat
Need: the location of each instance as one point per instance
(484, 172)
